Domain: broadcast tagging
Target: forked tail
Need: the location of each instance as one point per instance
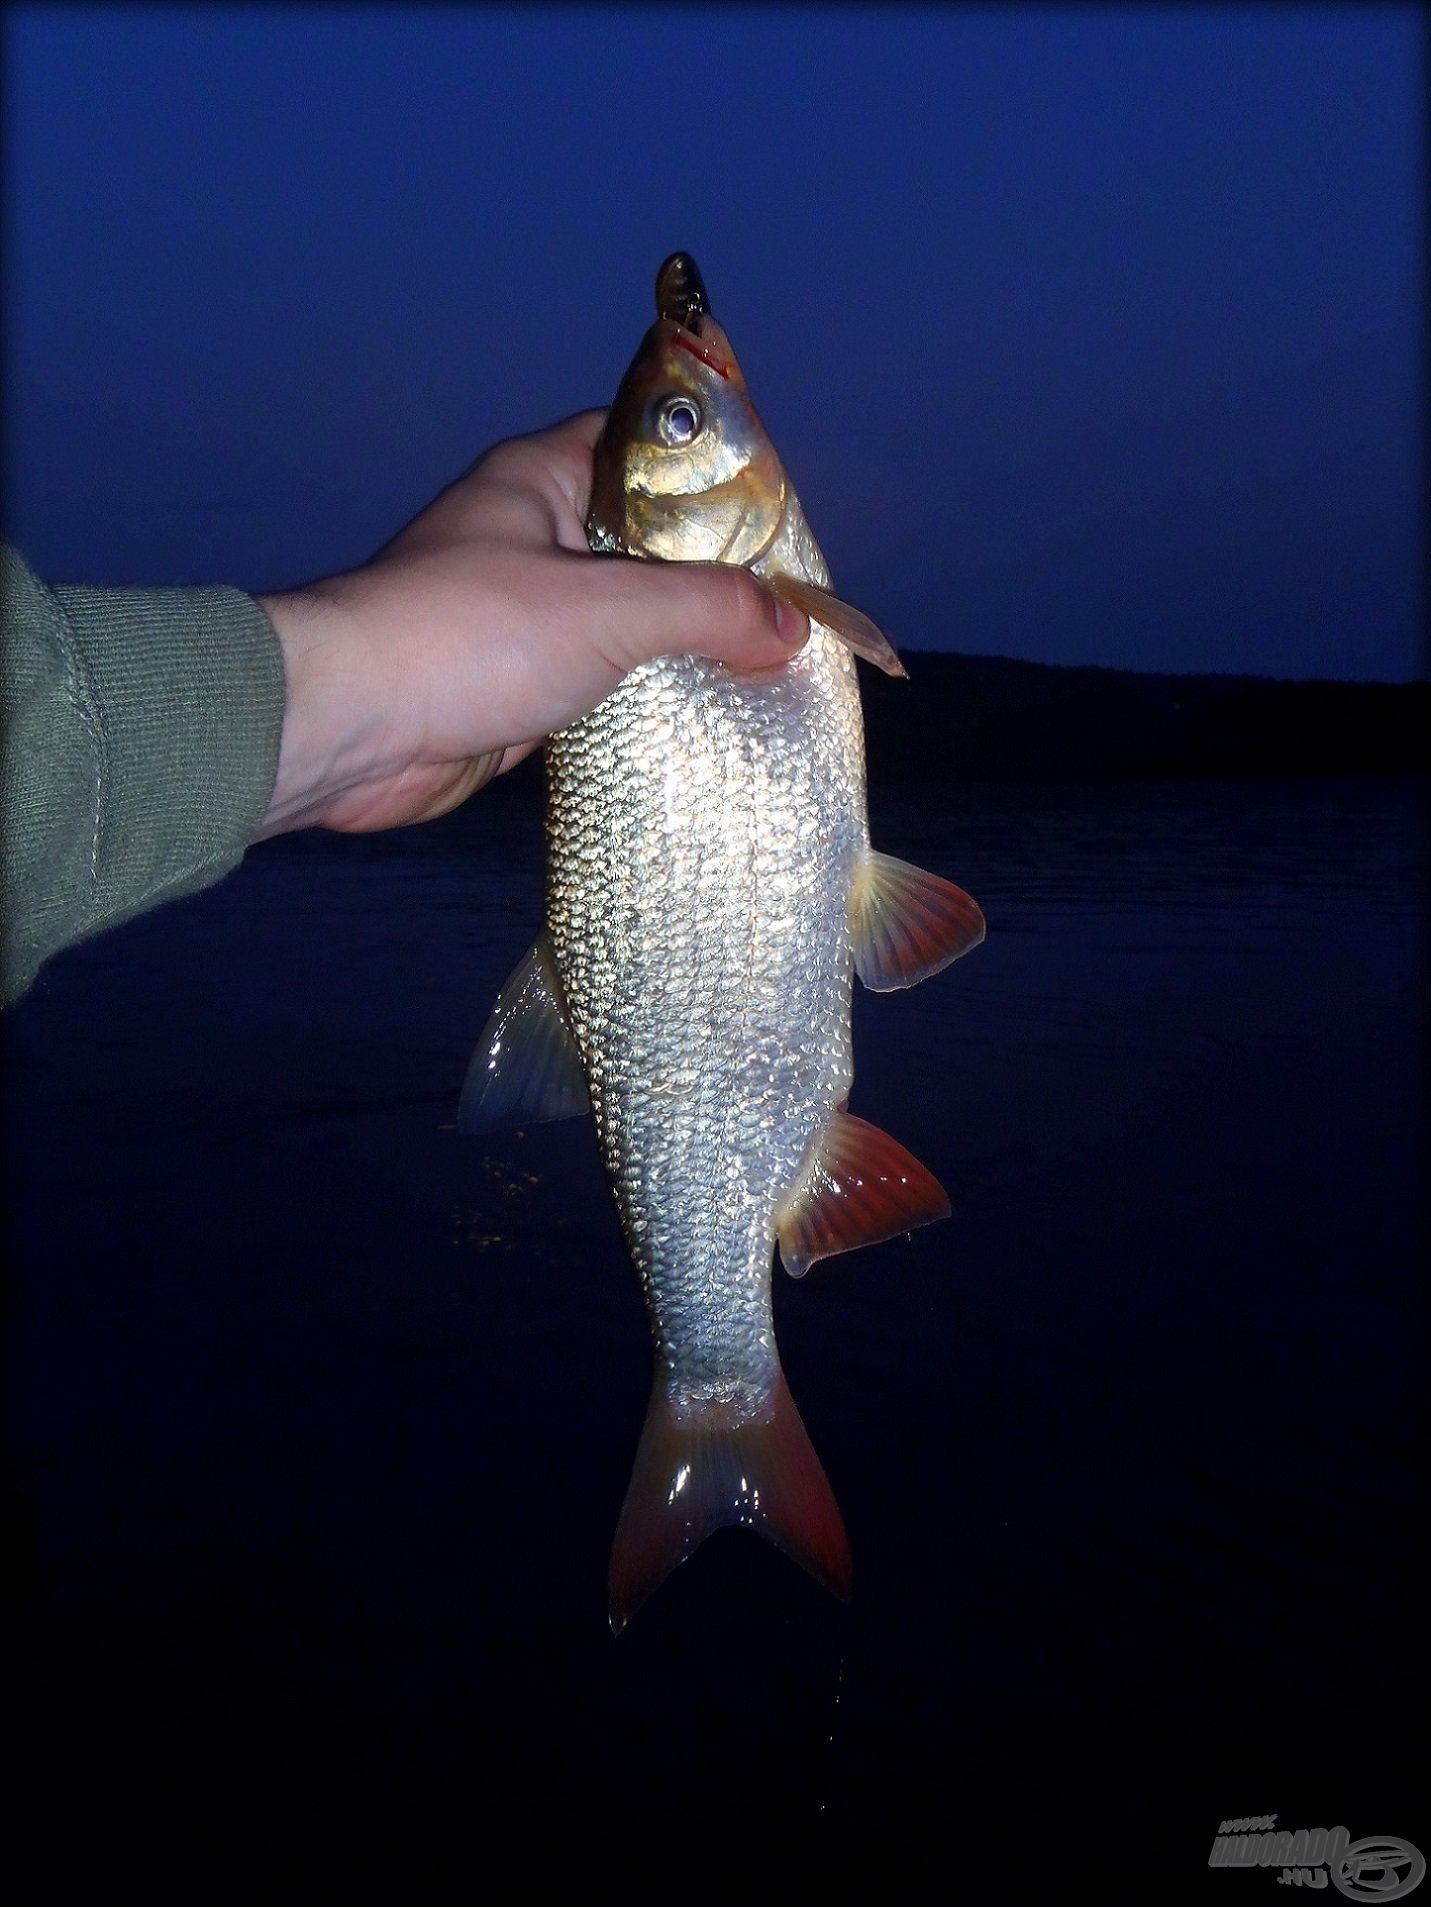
(699, 1469)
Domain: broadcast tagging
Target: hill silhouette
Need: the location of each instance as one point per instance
(967, 716)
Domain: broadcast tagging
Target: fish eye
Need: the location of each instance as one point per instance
(679, 421)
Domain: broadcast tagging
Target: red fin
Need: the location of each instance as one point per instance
(852, 626)
(861, 1186)
(526, 1068)
(909, 924)
(698, 1470)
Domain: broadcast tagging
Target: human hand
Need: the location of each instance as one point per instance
(482, 627)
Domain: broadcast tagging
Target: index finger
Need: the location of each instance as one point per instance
(564, 454)
(585, 426)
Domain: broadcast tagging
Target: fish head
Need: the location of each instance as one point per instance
(684, 470)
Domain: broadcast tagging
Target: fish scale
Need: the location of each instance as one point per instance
(739, 794)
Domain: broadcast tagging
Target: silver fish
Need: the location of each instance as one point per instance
(711, 892)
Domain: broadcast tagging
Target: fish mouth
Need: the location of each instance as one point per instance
(682, 300)
(681, 291)
(701, 348)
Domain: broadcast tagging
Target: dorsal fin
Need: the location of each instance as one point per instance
(526, 1068)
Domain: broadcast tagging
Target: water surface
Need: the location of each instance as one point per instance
(324, 1415)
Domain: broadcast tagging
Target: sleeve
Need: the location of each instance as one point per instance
(141, 733)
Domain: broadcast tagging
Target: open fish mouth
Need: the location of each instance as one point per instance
(681, 292)
(682, 300)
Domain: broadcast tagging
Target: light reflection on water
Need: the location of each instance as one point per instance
(316, 1396)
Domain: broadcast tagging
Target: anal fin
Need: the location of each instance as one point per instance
(859, 1188)
(526, 1068)
(908, 923)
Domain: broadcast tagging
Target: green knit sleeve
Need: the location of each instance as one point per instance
(141, 732)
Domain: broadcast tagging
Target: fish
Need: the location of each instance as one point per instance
(711, 893)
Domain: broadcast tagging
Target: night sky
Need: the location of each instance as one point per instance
(1087, 335)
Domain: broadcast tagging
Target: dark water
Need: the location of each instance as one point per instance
(324, 1416)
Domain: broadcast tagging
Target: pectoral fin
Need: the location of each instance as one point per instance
(860, 1187)
(908, 924)
(850, 625)
(527, 1067)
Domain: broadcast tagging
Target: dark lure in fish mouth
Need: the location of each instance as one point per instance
(682, 300)
(681, 292)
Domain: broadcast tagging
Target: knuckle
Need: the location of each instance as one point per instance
(508, 461)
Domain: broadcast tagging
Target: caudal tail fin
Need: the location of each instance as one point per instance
(698, 1469)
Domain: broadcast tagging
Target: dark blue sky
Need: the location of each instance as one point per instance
(1087, 334)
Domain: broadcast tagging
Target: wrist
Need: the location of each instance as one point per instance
(335, 714)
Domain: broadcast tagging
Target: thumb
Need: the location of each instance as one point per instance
(645, 609)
